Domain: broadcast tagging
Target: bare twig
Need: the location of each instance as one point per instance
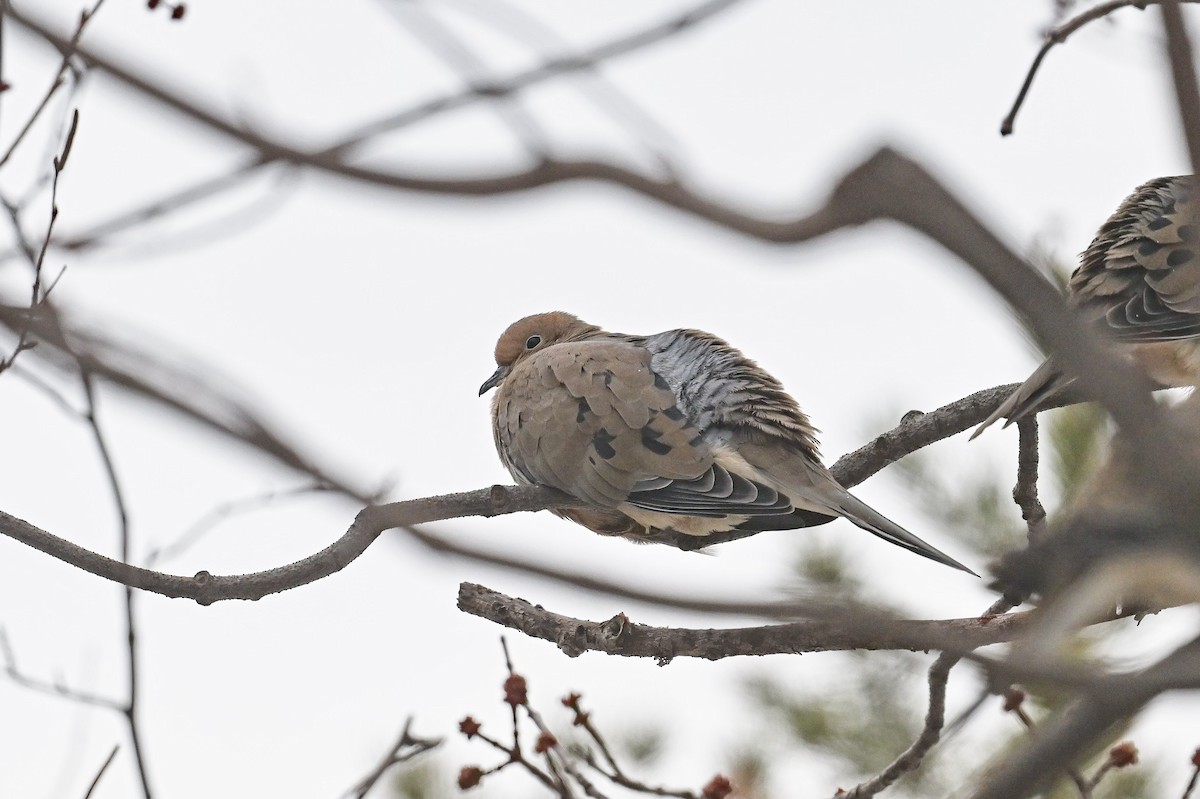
(1025, 492)
(620, 107)
(1014, 702)
(163, 380)
(548, 70)
(222, 512)
(561, 769)
(38, 294)
(406, 748)
(1060, 34)
(935, 716)
(130, 709)
(103, 768)
(57, 83)
(1191, 785)
(1103, 704)
(53, 689)
(610, 768)
(1183, 72)
(428, 30)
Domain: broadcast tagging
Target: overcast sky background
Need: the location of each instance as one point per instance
(363, 321)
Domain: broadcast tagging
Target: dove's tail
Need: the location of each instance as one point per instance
(1047, 382)
(871, 520)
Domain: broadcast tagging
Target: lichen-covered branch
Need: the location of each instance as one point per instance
(851, 630)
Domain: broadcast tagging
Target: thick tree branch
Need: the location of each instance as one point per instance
(620, 636)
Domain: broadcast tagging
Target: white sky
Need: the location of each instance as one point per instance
(364, 320)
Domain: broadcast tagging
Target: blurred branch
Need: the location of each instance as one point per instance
(885, 186)
(130, 707)
(935, 716)
(195, 393)
(844, 630)
(1100, 706)
(428, 30)
(103, 768)
(1013, 702)
(1060, 34)
(499, 87)
(57, 83)
(406, 748)
(52, 688)
(1183, 73)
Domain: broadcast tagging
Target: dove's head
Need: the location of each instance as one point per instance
(533, 334)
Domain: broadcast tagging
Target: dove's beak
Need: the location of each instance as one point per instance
(496, 379)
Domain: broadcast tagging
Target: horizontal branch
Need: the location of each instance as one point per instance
(206, 588)
(913, 433)
(853, 630)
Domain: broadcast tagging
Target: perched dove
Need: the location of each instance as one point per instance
(1140, 280)
(675, 433)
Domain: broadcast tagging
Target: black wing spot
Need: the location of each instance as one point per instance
(650, 440)
(1158, 223)
(1147, 248)
(583, 411)
(673, 413)
(659, 382)
(608, 377)
(1187, 233)
(602, 442)
(697, 441)
(1179, 257)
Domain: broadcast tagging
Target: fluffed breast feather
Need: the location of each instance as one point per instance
(594, 421)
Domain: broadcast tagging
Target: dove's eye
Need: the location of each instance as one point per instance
(532, 342)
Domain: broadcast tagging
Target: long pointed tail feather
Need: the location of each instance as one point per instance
(875, 522)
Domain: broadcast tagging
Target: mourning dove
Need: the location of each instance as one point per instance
(674, 433)
(1140, 280)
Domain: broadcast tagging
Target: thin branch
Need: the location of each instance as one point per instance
(428, 30)
(1191, 785)
(1060, 34)
(935, 716)
(846, 630)
(605, 95)
(223, 512)
(1103, 704)
(129, 711)
(548, 70)
(103, 768)
(163, 379)
(406, 748)
(1025, 492)
(1081, 784)
(1183, 73)
(59, 79)
(43, 687)
(887, 185)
